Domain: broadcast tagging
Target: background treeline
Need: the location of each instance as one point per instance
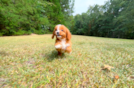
(18, 17)
(114, 19)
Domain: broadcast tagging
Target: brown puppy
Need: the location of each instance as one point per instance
(63, 39)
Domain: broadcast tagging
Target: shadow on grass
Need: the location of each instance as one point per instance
(53, 55)
(3, 53)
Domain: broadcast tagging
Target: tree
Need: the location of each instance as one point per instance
(60, 12)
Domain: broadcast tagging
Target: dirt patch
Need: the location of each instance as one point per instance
(33, 34)
(31, 61)
(3, 82)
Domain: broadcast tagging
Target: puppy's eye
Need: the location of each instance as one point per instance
(61, 30)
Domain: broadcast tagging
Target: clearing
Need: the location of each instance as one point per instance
(32, 61)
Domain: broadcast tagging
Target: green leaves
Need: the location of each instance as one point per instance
(28, 15)
(114, 19)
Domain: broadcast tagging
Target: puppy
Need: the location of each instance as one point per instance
(63, 39)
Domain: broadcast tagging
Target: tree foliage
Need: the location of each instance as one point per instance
(19, 17)
(114, 19)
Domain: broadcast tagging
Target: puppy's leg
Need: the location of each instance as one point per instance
(69, 49)
(59, 53)
(58, 46)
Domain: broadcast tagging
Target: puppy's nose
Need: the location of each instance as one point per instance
(57, 33)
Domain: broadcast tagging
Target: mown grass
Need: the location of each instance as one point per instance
(32, 62)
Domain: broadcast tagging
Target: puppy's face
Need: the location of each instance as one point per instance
(61, 32)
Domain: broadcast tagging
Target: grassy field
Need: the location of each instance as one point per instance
(32, 62)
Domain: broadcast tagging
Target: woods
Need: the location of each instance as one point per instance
(114, 19)
(18, 17)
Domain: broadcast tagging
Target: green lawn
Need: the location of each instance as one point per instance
(32, 62)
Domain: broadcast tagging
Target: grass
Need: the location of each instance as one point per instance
(32, 62)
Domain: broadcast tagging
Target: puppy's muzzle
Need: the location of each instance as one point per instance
(57, 33)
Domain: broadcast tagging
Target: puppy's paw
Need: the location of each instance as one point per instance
(58, 46)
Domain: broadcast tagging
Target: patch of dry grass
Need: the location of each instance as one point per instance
(32, 61)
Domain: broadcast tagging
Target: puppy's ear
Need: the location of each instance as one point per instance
(68, 36)
(53, 34)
